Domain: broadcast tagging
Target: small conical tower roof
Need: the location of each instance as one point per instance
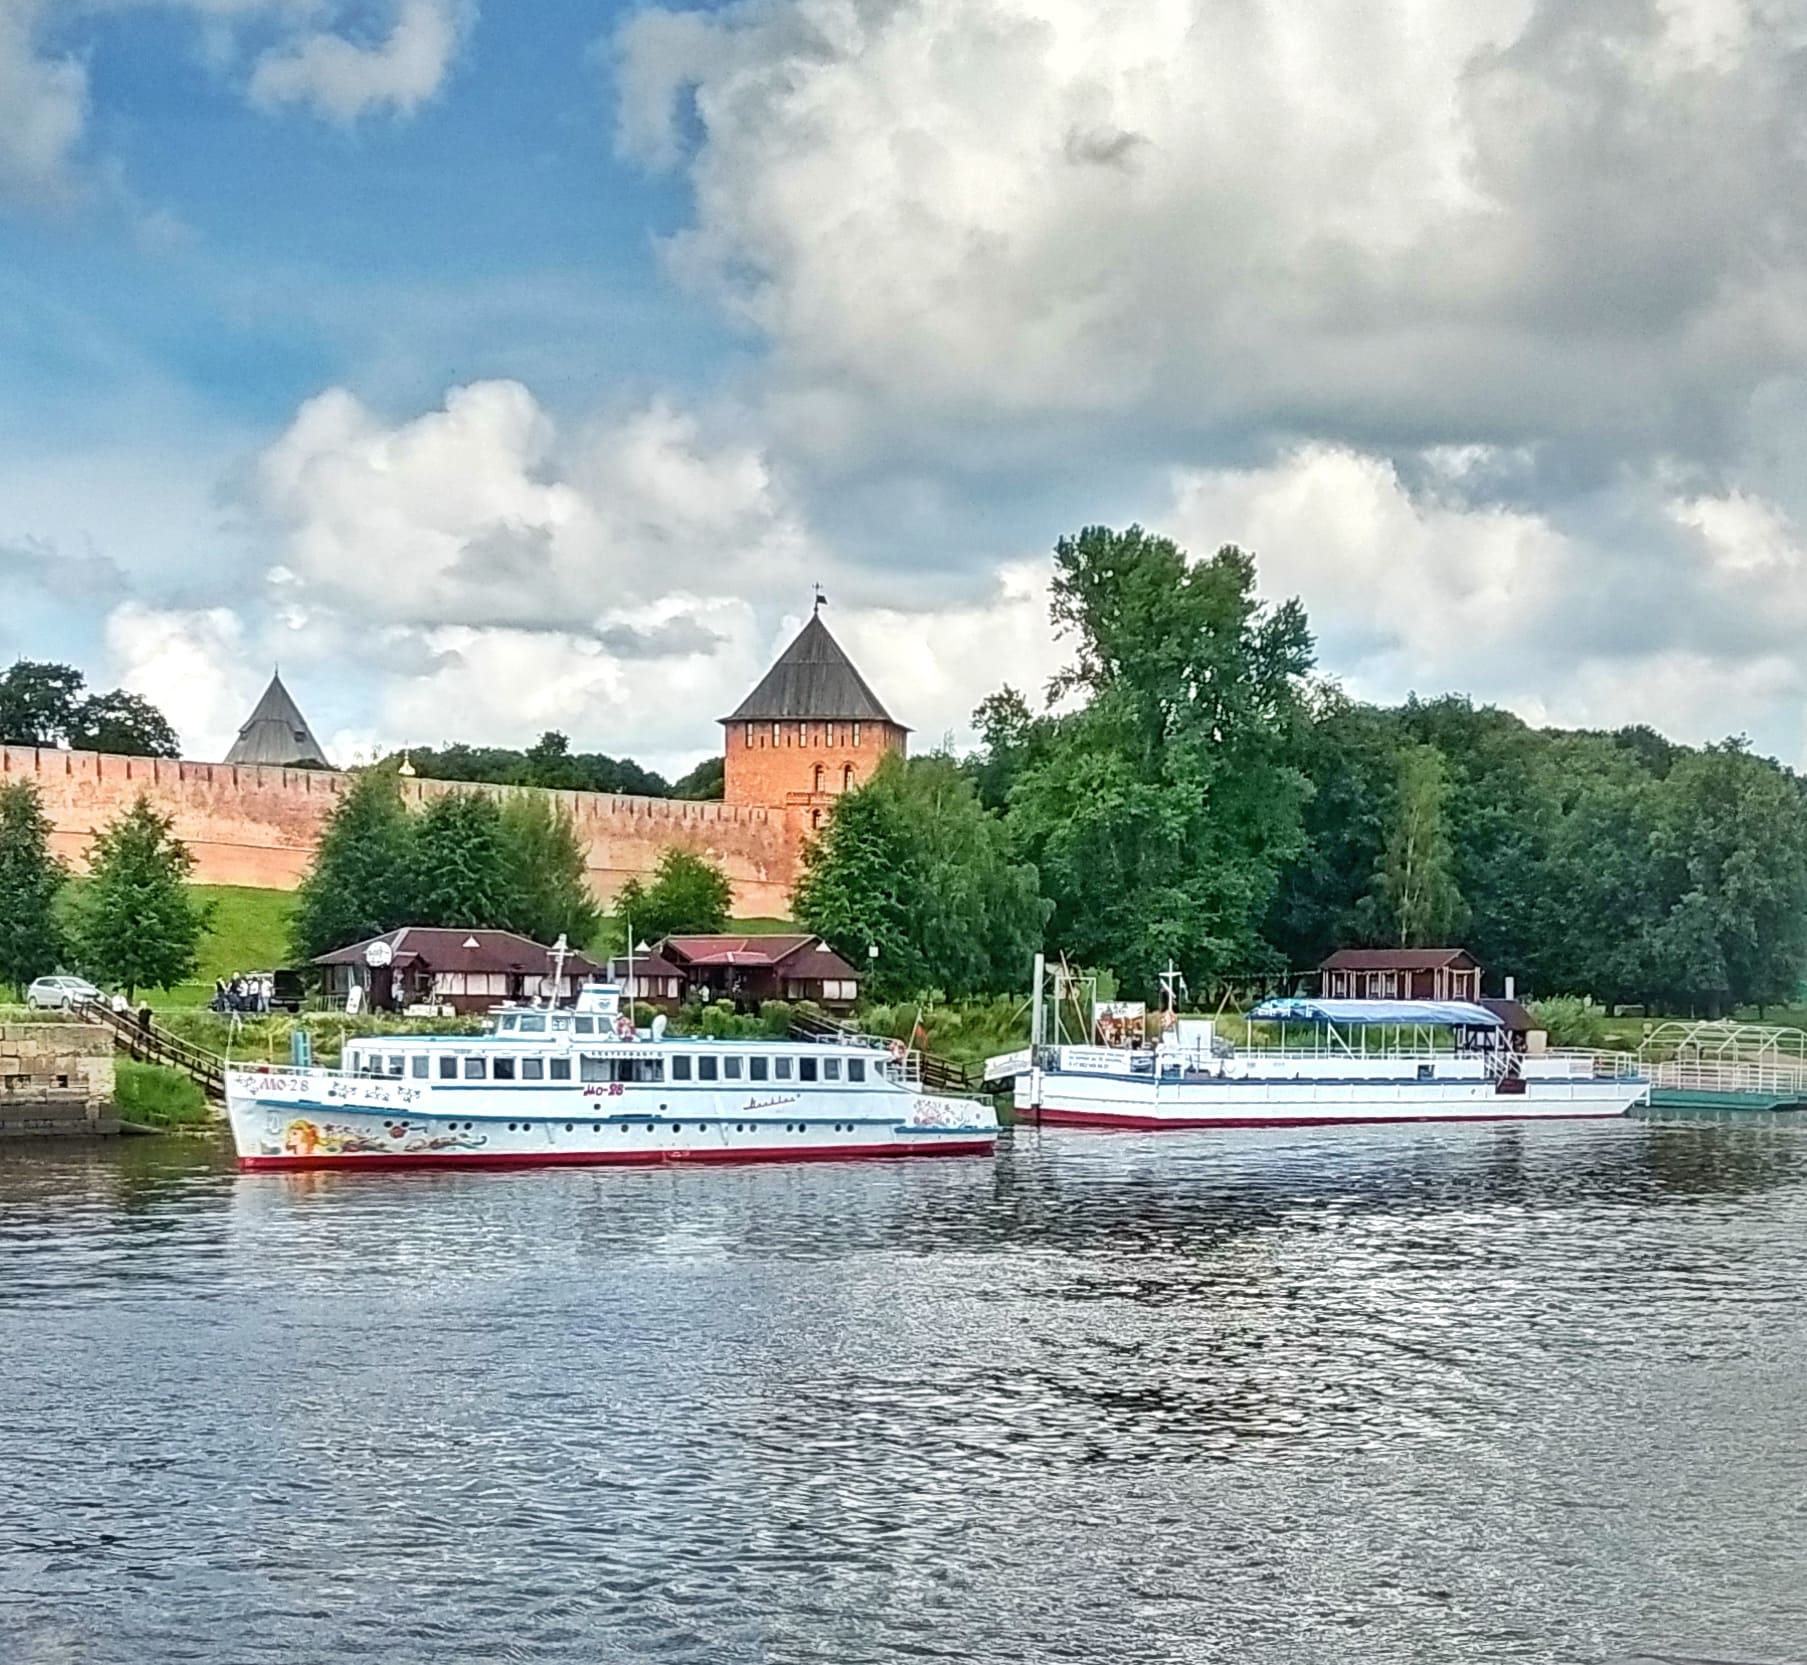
(276, 732)
(813, 680)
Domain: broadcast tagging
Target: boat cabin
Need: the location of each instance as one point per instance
(594, 1041)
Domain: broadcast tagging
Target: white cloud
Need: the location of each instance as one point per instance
(314, 61)
(192, 664)
(343, 79)
(482, 513)
(1393, 224)
(1417, 590)
(43, 107)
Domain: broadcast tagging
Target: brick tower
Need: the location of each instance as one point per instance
(810, 731)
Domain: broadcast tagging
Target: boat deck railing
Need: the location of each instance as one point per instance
(1770, 1077)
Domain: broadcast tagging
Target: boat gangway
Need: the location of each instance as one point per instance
(1724, 1064)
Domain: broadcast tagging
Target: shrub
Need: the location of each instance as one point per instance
(1570, 1020)
(154, 1096)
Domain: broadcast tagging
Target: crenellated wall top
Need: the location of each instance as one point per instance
(109, 769)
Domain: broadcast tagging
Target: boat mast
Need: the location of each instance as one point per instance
(560, 952)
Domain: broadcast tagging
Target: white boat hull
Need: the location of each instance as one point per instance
(323, 1119)
(1086, 1100)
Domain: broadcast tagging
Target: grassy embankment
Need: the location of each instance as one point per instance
(152, 1096)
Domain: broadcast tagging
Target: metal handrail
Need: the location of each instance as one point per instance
(150, 1045)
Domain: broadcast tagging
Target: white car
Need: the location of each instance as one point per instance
(65, 992)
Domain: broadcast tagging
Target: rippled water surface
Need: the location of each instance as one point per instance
(1465, 1395)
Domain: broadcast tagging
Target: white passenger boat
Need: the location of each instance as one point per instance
(1368, 1061)
(577, 1085)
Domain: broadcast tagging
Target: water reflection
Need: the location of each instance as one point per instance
(1463, 1394)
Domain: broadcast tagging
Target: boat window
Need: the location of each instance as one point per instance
(831, 1069)
(856, 1069)
(504, 1024)
(417, 1066)
(448, 1068)
(534, 1023)
(586, 1025)
(781, 1068)
(559, 1069)
(561, 1026)
(757, 1069)
(473, 1069)
(730, 1069)
(397, 1063)
(593, 1068)
(639, 1069)
(705, 1069)
(533, 1069)
(680, 1068)
(806, 1069)
(503, 1070)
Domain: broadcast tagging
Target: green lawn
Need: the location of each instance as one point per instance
(248, 931)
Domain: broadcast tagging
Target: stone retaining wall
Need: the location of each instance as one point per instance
(55, 1079)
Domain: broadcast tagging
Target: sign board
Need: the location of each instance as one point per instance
(1009, 1064)
(1119, 1022)
(379, 954)
(354, 1000)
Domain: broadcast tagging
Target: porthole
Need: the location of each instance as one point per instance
(569, 1128)
(595, 1127)
(511, 1127)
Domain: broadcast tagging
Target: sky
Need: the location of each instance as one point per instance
(494, 369)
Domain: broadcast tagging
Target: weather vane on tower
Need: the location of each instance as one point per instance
(821, 599)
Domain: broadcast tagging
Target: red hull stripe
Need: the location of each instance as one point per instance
(616, 1159)
(1151, 1124)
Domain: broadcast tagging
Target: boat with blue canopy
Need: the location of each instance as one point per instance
(1360, 1061)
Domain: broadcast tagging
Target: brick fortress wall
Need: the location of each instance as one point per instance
(258, 826)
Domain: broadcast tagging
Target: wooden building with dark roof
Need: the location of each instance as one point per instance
(752, 969)
(1400, 974)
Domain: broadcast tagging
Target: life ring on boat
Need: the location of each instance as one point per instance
(898, 1050)
(624, 1027)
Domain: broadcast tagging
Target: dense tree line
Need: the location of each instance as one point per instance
(1189, 792)
(549, 762)
(471, 859)
(44, 704)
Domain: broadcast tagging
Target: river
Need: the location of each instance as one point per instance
(1532, 1393)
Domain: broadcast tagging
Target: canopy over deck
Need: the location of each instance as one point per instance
(1445, 1014)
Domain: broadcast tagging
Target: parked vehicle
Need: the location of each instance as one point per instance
(49, 993)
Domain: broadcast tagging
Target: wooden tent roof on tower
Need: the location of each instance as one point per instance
(277, 733)
(813, 680)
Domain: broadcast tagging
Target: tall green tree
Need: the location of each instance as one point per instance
(361, 881)
(123, 723)
(136, 924)
(44, 704)
(689, 894)
(1161, 812)
(550, 875)
(1415, 879)
(913, 865)
(706, 782)
(30, 877)
(460, 866)
(38, 702)
(1349, 753)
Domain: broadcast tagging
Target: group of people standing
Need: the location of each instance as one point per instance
(251, 995)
